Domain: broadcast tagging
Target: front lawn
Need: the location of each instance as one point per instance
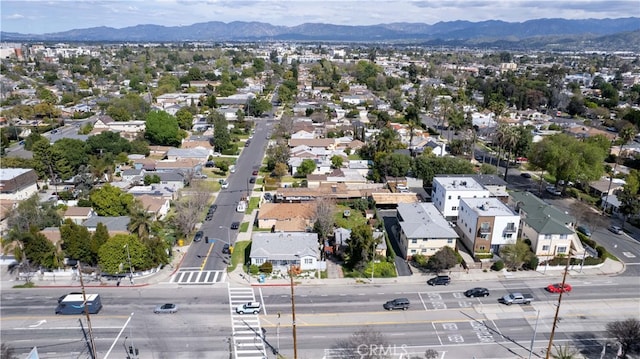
(355, 218)
(253, 204)
(240, 254)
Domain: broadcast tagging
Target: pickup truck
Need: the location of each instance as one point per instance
(517, 298)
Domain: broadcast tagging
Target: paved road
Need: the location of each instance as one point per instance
(208, 257)
(440, 318)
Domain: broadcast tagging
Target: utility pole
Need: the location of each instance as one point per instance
(555, 318)
(92, 344)
(293, 315)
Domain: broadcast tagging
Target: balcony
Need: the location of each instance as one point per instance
(510, 229)
(484, 230)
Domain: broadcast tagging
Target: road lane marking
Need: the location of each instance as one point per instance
(264, 307)
(423, 303)
(436, 330)
(204, 262)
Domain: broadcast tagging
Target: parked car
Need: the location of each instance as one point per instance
(554, 191)
(225, 249)
(210, 164)
(198, 236)
(477, 292)
(255, 172)
(268, 197)
(439, 280)
(252, 180)
(559, 288)
(168, 308)
(525, 174)
(584, 230)
(235, 225)
(398, 303)
(224, 184)
(615, 229)
(250, 307)
(213, 208)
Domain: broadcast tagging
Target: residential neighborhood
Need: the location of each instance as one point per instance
(281, 162)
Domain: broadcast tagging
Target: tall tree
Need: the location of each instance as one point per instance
(76, 242)
(162, 129)
(141, 221)
(221, 137)
(324, 218)
(111, 201)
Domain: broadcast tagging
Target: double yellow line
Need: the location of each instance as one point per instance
(204, 262)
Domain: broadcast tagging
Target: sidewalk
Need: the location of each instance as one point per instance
(239, 278)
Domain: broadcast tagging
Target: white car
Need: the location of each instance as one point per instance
(225, 184)
(250, 307)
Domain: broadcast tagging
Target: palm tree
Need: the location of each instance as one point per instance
(510, 140)
(625, 135)
(140, 222)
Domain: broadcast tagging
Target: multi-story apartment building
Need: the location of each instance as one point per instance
(448, 190)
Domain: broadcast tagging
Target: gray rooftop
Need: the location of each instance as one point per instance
(423, 220)
(459, 183)
(284, 246)
(541, 216)
(491, 207)
(118, 224)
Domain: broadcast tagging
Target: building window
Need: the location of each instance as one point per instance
(414, 241)
(562, 249)
(453, 208)
(449, 197)
(481, 248)
(547, 236)
(308, 261)
(563, 236)
(424, 250)
(450, 240)
(458, 197)
(508, 235)
(413, 251)
(545, 248)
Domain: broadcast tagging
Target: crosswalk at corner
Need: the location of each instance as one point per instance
(195, 276)
(247, 334)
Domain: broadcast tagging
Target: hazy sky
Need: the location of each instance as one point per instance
(37, 17)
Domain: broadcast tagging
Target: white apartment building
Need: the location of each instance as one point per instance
(448, 190)
(486, 224)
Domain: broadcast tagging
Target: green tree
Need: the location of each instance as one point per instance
(38, 249)
(629, 203)
(306, 167)
(162, 129)
(50, 162)
(108, 142)
(426, 166)
(443, 259)
(360, 247)
(394, 164)
(221, 136)
(76, 242)
(110, 201)
(98, 238)
(75, 152)
(140, 221)
(515, 254)
(128, 108)
(149, 179)
(30, 213)
(185, 118)
(277, 154)
(113, 257)
(336, 161)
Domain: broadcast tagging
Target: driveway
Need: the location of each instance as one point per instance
(391, 225)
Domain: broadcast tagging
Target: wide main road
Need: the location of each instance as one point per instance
(208, 256)
(440, 318)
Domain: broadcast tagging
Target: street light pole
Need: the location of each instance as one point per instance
(130, 268)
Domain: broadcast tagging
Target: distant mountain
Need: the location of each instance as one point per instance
(450, 32)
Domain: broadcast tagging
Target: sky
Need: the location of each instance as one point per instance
(39, 17)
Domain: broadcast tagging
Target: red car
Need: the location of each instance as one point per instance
(557, 288)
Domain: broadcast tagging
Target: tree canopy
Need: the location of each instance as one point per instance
(111, 201)
(162, 129)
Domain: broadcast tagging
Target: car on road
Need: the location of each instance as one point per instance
(225, 249)
(224, 185)
(559, 288)
(439, 280)
(526, 174)
(516, 298)
(198, 236)
(213, 208)
(252, 180)
(554, 191)
(168, 308)
(255, 172)
(477, 292)
(615, 229)
(398, 303)
(209, 217)
(246, 144)
(584, 230)
(61, 298)
(235, 225)
(250, 307)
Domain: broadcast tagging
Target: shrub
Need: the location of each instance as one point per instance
(586, 240)
(602, 252)
(591, 261)
(527, 241)
(532, 263)
(254, 269)
(420, 260)
(498, 266)
(266, 267)
(232, 150)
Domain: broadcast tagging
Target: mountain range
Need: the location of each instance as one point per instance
(455, 33)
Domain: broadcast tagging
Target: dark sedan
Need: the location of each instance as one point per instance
(477, 292)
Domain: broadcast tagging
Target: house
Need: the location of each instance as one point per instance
(133, 174)
(496, 186)
(423, 230)
(549, 229)
(199, 154)
(286, 217)
(486, 224)
(17, 184)
(127, 129)
(171, 179)
(78, 215)
(448, 190)
(115, 225)
(155, 205)
(286, 249)
(604, 187)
